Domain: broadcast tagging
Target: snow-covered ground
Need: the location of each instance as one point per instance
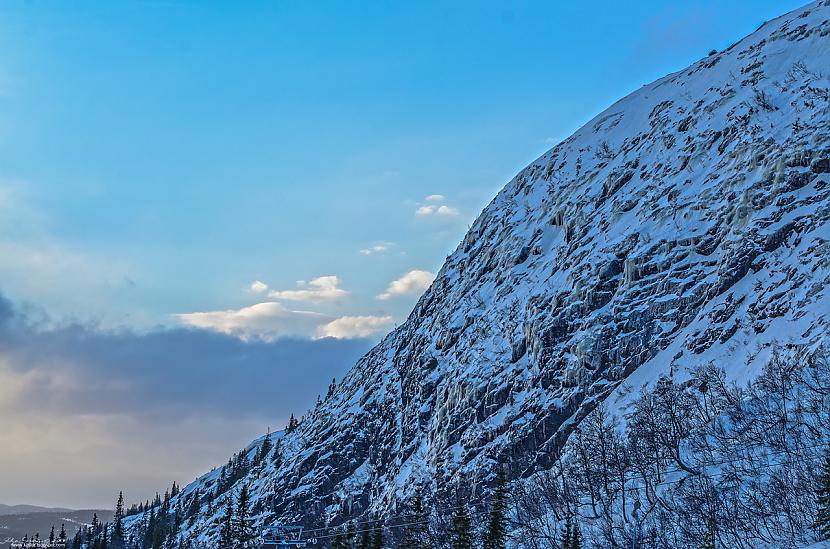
(689, 223)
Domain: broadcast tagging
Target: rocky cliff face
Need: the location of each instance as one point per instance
(688, 223)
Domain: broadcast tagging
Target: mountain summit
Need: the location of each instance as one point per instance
(687, 224)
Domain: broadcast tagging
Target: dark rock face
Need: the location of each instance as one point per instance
(686, 224)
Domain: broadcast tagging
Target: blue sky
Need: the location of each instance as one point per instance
(157, 158)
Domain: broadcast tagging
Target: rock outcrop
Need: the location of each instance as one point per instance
(688, 223)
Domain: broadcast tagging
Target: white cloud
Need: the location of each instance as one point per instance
(258, 287)
(446, 211)
(436, 207)
(349, 327)
(413, 282)
(424, 211)
(377, 248)
(266, 321)
(324, 288)
(272, 320)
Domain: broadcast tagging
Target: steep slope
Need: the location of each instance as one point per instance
(688, 223)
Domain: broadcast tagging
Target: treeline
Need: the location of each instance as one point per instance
(695, 462)
(165, 518)
(699, 463)
(419, 526)
(54, 540)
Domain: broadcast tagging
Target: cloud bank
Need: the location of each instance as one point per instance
(88, 412)
(266, 321)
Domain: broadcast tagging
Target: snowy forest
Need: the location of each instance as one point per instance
(698, 462)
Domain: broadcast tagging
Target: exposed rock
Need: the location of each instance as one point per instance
(684, 225)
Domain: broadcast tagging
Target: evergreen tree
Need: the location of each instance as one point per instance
(377, 535)
(118, 520)
(416, 534)
(265, 449)
(149, 528)
(292, 424)
(365, 541)
(226, 532)
(567, 532)
(195, 504)
(350, 533)
(52, 535)
(709, 542)
(496, 537)
(244, 527)
(62, 535)
(337, 542)
(277, 459)
(178, 515)
(822, 523)
(576, 537)
(461, 534)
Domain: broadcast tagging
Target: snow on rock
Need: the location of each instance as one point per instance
(688, 223)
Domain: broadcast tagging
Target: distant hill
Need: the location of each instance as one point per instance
(23, 509)
(15, 524)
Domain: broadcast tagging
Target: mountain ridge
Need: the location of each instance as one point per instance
(20, 509)
(687, 224)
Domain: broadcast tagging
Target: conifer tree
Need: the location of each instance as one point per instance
(461, 534)
(337, 542)
(150, 528)
(62, 535)
(416, 535)
(709, 542)
(118, 520)
(226, 531)
(566, 532)
(576, 537)
(365, 541)
(52, 535)
(265, 449)
(350, 534)
(244, 528)
(277, 453)
(195, 504)
(822, 523)
(496, 527)
(377, 535)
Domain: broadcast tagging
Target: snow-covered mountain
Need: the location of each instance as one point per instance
(688, 223)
